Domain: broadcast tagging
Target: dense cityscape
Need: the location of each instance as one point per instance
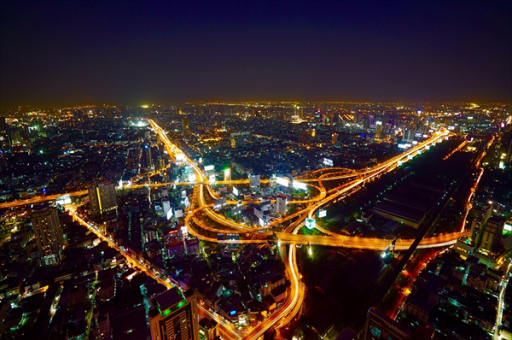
(143, 196)
(303, 220)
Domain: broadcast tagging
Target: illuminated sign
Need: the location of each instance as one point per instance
(400, 163)
(209, 167)
(310, 223)
(192, 177)
(184, 231)
(409, 156)
(414, 142)
(425, 136)
(282, 181)
(451, 127)
(328, 162)
(169, 214)
(404, 145)
(235, 191)
(322, 213)
(507, 227)
(212, 179)
(299, 185)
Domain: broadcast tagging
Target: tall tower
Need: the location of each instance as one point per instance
(173, 316)
(103, 197)
(48, 233)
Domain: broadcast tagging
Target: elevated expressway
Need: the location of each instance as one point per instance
(251, 235)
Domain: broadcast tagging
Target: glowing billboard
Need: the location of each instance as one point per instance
(209, 167)
(212, 179)
(282, 181)
(310, 223)
(328, 162)
(235, 191)
(169, 214)
(322, 213)
(299, 185)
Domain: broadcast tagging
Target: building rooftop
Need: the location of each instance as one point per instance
(168, 299)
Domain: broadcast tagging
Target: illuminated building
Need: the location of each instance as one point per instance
(166, 206)
(103, 197)
(186, 124)
(379, 326)
(254, 180)
(492, 233)
(48, 234)
(227, 174)
(281, 204)
(208, 329)
(408, 136)
(173, 316)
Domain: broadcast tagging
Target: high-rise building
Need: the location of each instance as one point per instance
(166, 206)
(186, 124)
(492, 233)
(379, 326)
(134, 222)
(173, 316)
(149, 159)
(48, 234)
(281, 204)
(254, 181)
(227, 174)
(408, 135)
(103, 197)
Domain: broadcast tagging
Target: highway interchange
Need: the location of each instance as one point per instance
(287, 239)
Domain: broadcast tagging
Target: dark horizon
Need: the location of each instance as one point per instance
(79, 53)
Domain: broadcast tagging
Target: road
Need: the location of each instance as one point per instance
(286, 240)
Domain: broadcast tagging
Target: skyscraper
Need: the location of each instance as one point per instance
(48, 233)
(492, 233)
(173, 316)
(103, 197)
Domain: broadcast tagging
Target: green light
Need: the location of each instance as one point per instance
(170, 310)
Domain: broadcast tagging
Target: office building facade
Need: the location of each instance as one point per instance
(102, 196)
(48, 234)
(174, 316)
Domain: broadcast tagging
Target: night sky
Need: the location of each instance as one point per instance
(62, 53)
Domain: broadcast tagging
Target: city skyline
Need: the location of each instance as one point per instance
(255, 170)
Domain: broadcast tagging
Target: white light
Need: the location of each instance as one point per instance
(235, 191)
(209, 167)
(328, 162)
(282, 181)
(310, 223)
(299, 185)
